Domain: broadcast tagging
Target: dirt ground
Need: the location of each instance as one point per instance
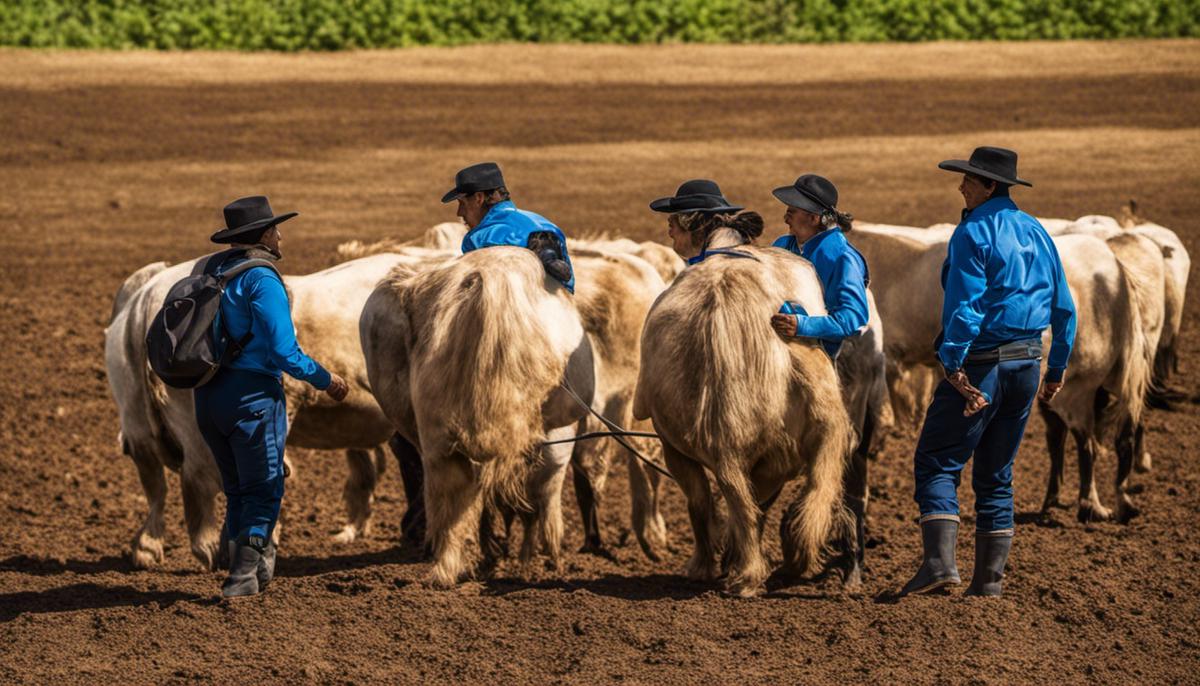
(110, 161)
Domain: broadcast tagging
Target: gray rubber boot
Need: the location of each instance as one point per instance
(266, 567)
(243, 573)
(991, 554)
(938, 567)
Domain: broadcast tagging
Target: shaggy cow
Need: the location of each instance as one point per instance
(1176, 262)
(729, 395)
(444, 237)
(476, 362)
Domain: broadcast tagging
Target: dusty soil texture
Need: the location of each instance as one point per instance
(110, 161)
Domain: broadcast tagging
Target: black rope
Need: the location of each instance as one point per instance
(601, 434)
(616, 432)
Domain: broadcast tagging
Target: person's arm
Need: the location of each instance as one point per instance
(1062, 326)
(269, 305)
(848, 313)
(962, 306)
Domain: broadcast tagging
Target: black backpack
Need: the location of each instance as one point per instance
(180, 344)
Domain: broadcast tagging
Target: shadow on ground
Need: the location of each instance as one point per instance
(87, 596)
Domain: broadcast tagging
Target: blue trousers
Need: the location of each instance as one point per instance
(992, 435)
(243, 418)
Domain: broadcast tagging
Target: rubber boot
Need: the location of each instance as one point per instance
(938, 567)
(991, 554)
(243, 573)
(266, 567)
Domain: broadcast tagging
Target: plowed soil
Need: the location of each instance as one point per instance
(110, 161)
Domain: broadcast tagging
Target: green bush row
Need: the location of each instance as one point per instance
(344, 24)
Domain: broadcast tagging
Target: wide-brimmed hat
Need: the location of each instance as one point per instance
(697, 195)
(248, 216)
(810, 192)
(484, 176)
(997, 164)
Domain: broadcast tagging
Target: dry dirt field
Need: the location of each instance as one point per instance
(109, 161)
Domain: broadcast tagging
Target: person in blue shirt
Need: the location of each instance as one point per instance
(697, 212)
(486, 208)
(817, 233)
(1004, 284)
(241, 411)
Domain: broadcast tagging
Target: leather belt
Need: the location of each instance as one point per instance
(1017, 350)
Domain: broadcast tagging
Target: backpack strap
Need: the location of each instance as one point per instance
(223, 279)
(227, 275)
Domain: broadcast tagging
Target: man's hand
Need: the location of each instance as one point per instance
(1049, 390)
(338, 388)
(785, 324)
(976, 400)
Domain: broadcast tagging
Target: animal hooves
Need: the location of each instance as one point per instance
(1089, 514)
(1144, 465)
(651, 554)
(1126, 514)
(347, 535)
(144, 558)
(852, 576)
(441, 580)
(744, 589)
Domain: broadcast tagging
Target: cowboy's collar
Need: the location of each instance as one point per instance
(812, 243)
(990, 206)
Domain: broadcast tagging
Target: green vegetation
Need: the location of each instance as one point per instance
(345, 24)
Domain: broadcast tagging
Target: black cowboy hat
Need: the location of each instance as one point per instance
(484, 176)
(810, 192)
(997, 164)
(697, 195)
(247, 217)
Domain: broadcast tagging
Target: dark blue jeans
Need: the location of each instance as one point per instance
(992, 435)
(243, 418)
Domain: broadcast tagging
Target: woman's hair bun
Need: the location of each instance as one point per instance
(749, 223)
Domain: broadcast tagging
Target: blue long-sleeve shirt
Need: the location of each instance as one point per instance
(1004, 282)
(844, 276)
(504, 224)
(256, 301)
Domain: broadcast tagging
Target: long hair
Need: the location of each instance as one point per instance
(832, 217)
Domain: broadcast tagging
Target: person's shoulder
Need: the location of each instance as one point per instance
(830, 243)
(851, 253)
(786, 241)
(260, 277)
(534, 221)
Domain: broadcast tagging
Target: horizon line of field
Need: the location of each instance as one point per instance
(1166, 141)
(190, 82)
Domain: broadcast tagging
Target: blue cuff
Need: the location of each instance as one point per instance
(1055, 375)
(952, 356)
(796, 309)
(321, 379)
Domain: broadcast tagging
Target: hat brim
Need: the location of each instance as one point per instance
(671, 205)
(454, 194)
(788, 195)
(230, 235)
(964, 167)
